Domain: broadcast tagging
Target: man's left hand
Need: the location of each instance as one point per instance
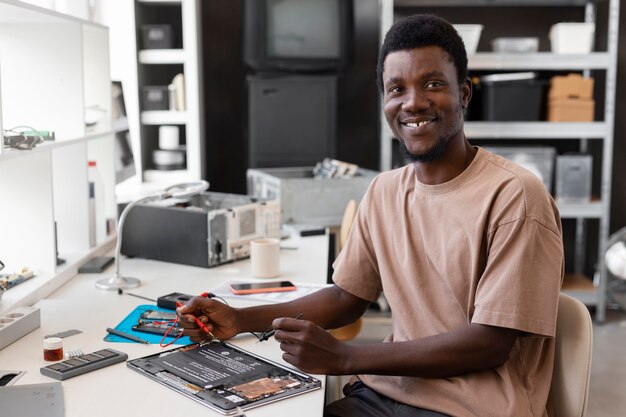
(311, 348)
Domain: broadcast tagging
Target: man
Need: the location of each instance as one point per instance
(465, 244)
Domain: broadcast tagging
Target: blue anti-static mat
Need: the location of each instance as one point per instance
(127, 324)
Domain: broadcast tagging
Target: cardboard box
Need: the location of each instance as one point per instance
(570, 86)
(571, 110)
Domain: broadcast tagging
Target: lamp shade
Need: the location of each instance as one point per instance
(615, 259)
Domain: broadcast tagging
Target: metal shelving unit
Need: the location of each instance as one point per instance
(591, 293)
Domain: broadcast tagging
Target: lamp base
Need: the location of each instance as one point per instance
(117, 282)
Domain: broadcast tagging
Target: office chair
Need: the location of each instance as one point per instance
(572, 361)
(349, 331)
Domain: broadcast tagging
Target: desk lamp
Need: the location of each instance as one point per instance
(184, 190)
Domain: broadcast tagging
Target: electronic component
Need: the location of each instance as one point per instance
(159, 315)
(11, 280)
(157, 327)
(223, 226)
(82, 364)
(169, 301)
(223, 377)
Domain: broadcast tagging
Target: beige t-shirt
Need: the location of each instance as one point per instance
(485, 248)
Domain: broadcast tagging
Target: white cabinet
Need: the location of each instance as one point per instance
(597, 134)
(157, 67)
(52, 68)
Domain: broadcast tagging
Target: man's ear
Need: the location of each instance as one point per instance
(466, 93)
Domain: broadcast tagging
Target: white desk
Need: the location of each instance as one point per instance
(119, 391)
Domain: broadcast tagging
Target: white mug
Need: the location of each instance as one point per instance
(264, 257)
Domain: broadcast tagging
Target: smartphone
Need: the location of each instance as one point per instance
(158, 315)
(257, 287)
(161, 328)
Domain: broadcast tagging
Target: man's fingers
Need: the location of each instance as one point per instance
(290, 324)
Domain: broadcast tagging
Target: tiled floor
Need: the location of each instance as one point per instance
(607, 392)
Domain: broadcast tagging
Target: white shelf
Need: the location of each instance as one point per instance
(167, 178)
(592, 210)
(164, 117)
(478, 3)
(47, 188)
(538, 61)
(41, 285)
(165, 2)
(535, 130)
(162, 56)
(159, 71)
(47, 146)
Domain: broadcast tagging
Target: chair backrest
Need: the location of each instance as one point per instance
(572, 360)
(346, 223)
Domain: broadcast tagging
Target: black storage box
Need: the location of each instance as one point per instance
(155, 97)
(513, 97)
(157, 36)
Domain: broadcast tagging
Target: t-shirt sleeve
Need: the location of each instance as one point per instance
(520, 285)
(356, 268)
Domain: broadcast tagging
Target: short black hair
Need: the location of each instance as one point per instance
(423, 30)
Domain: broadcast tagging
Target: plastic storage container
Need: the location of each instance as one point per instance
(308, 200)
(157, 36)
(156, 97)
(573, 178)
(513, 97)
(515, 45)
(572, 38)
(537, 159)
(471, 35)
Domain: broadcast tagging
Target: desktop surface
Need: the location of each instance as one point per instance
(117, 390)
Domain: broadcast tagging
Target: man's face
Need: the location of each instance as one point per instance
(423, 101)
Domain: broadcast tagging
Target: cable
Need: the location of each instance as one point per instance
(197, 320)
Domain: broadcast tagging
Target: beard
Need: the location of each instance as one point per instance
(431, 155)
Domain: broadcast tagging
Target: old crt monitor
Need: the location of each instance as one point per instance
(297, 35)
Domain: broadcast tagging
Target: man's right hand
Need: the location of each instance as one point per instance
(219, 318)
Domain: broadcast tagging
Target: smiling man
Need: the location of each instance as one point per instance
(465, 245)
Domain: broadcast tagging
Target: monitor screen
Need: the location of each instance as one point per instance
(299, 36)
(303, 28)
